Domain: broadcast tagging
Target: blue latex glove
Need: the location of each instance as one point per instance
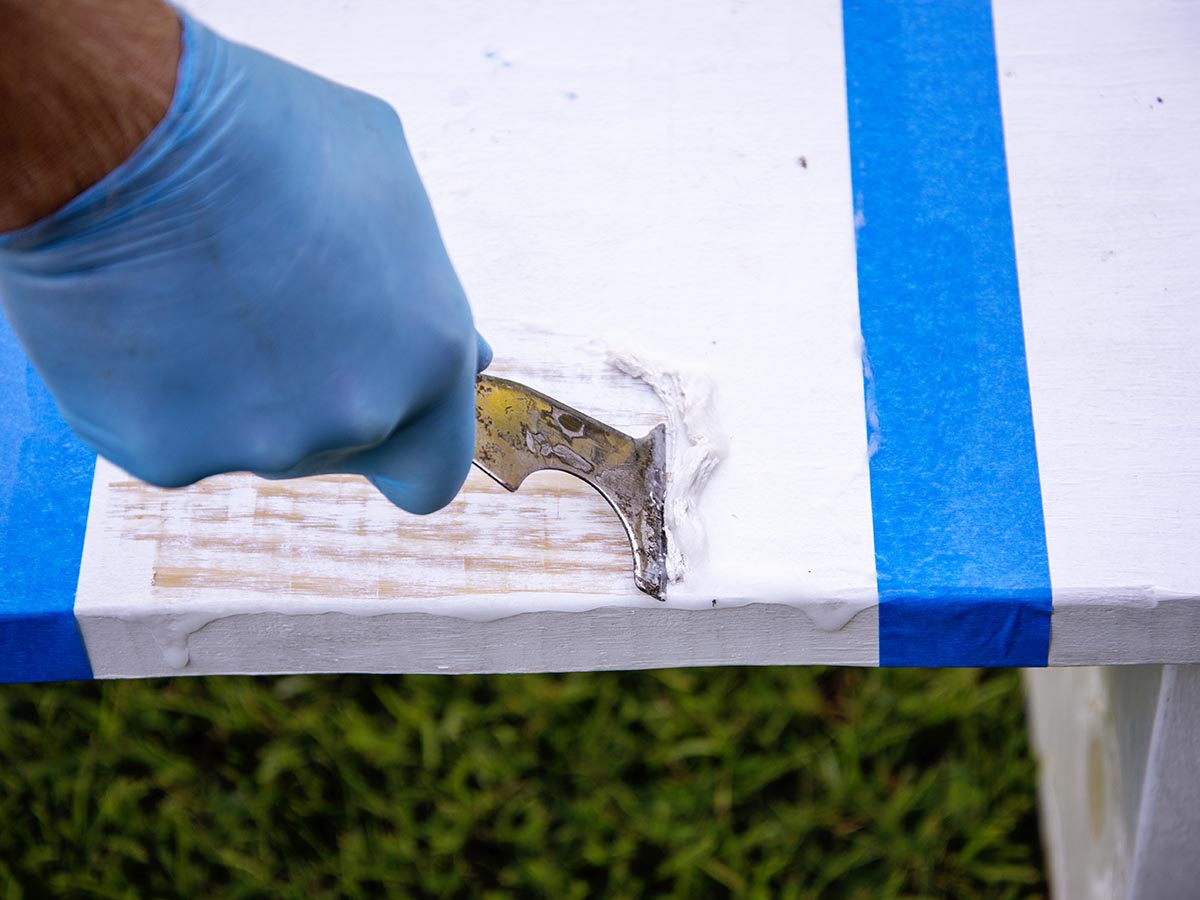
(261, 287)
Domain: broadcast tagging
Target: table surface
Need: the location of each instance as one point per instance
(937, 265)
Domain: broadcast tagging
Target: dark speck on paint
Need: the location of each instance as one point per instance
(1159, 99)
(802, 162)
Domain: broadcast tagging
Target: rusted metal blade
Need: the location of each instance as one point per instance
(520, 431)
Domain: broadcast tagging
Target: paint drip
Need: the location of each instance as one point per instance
(695, 447)
(172, 631)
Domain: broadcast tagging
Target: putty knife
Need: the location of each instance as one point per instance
(520, 431)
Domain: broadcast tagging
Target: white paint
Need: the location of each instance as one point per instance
(1080, 789)
(616, 171)
(1112, 626)
(1105, 185)
(1165, 861)
(172, 632)
(596, 639)
(1119, 797)
(695, 447)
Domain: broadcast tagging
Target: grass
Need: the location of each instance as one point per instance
(778, 782)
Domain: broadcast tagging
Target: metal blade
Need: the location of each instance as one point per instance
(520, 431)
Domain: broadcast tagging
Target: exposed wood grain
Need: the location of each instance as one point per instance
(337, 538)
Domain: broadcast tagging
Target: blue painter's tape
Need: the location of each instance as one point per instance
(960, 541)
(45, 488)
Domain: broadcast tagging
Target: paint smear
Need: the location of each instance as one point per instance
(695, 447)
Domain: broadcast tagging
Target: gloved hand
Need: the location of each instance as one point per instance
(261, 287)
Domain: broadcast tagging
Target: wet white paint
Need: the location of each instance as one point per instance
(695, 447)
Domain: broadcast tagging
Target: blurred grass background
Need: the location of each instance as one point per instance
(733, 782)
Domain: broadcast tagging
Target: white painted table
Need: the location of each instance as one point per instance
(742, 192)
(775, 199)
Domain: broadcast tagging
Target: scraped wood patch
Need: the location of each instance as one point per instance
(335, 537)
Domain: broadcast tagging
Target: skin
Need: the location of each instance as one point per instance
(265, 290)
(82, 83)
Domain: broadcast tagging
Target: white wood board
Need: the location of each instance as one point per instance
(676, 181)
(1119, 798)
(607, 176)
(1102, 119)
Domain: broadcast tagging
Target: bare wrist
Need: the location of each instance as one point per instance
(82, 83)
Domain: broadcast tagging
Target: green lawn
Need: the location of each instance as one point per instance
(779, 782)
